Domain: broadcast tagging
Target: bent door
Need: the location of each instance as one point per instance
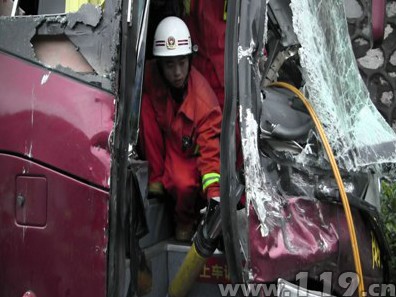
(56, 115)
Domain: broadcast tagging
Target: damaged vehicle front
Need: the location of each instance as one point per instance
(71, 180)
(314, 150)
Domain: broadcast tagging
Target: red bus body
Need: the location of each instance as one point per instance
(54, 186)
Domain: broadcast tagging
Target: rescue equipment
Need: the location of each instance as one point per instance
(337, 175)
(204, 245)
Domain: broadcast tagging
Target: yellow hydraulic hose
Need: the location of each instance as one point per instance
(188, 272)
(337, 175)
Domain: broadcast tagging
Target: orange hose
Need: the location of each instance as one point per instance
(337, 175)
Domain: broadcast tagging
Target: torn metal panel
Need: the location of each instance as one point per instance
(263, 197)
(259, 192)
(87, 14)
(307, 236)
(94, 34)
(25, 29)
(313, 240)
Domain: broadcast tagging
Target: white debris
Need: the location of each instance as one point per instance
(361, 41)
(246, 52)
(393, 59)
(353, 10)
(374, 59)
(257, 193)
(45, 77)
(391, 9)
(382, 81)
(386, 98)
(388, 31)
(30, 150)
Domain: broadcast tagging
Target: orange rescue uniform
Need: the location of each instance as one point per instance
(181, 141)
(205, 19)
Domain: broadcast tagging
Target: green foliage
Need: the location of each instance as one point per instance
(388, 210)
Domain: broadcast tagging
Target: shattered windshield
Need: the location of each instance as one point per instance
(357, 132)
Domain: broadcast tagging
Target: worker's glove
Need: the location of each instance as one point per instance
(207, 236)
(212, 204)
(217, 199)
(212, 217)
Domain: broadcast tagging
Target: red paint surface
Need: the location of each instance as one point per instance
(66, 257)
(29, 294)
(55, 119)
(304, 240)
(314, 238)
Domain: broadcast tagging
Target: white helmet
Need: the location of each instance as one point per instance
(172, 38)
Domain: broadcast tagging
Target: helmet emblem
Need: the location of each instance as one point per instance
(171, 43)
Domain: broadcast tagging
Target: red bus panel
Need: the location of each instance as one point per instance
(55, 119)
(67, 255)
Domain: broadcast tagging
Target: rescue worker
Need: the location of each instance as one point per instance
(207, 22)
(180, 126)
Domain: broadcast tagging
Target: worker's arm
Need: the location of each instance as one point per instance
(208, 140)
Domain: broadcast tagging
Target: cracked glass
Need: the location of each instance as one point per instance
(292, 197)
(357, 132)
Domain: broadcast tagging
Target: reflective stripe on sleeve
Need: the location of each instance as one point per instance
(210, 178)
(156, 188)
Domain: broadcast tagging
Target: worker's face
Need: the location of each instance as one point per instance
(175, 70)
